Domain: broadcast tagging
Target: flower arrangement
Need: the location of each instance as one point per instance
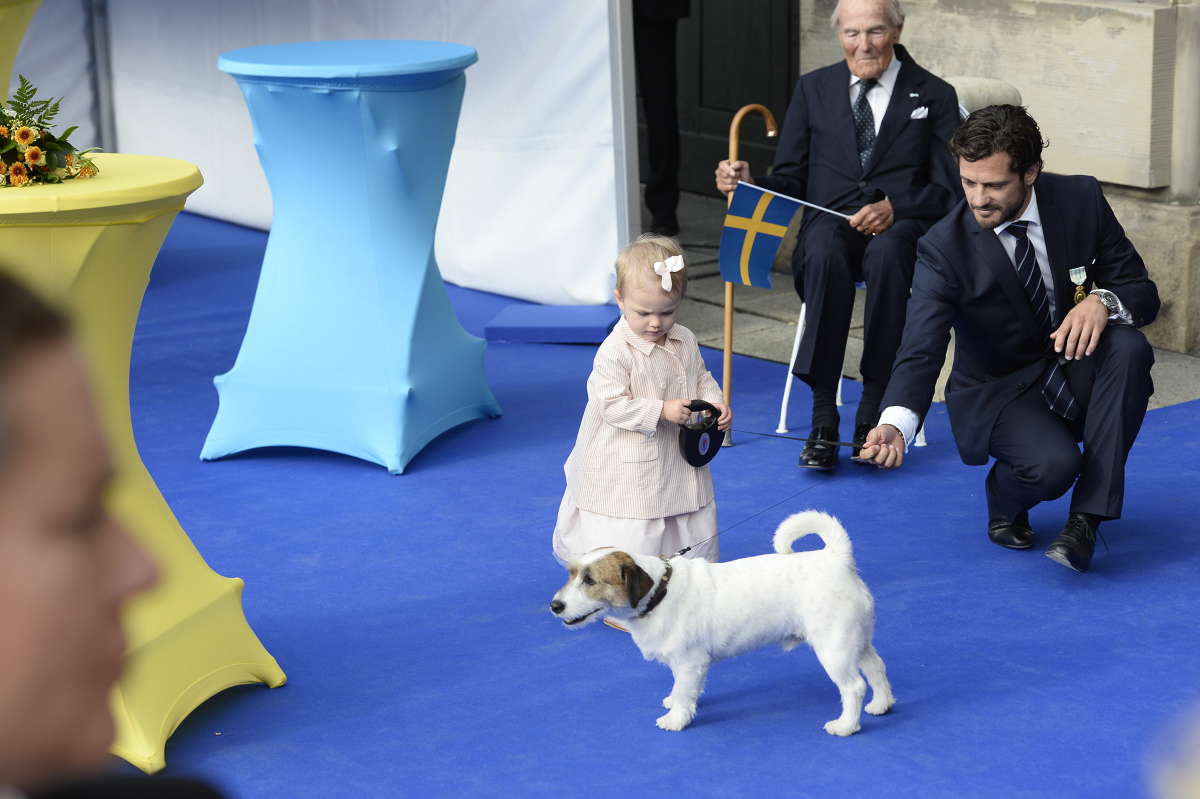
(29, 152)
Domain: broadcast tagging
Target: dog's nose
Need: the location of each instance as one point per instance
(557, 606)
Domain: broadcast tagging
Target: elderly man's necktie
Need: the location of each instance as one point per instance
(864, 121)
(1054, 380)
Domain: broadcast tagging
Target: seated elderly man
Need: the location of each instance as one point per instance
(66, 570)
(867, 137)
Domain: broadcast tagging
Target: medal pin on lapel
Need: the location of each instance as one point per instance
(1078, 275)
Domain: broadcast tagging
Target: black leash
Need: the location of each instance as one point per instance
(780, 502)
(797, 438)
(743, 521)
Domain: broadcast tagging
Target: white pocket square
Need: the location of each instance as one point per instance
(919, 113)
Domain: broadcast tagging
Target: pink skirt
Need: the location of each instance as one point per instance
(578, 531)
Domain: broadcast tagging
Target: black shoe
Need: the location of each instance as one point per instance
(1014, 534)
(668, 228)
(1074, 545)
(860, 438)
(817, 455)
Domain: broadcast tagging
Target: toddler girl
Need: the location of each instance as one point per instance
(628, 485)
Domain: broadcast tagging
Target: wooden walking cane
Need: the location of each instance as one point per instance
(727, 372)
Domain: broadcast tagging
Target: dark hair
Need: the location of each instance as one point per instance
(1000, 129)
(26, 321)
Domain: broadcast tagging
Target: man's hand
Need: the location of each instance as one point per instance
(1080, 330)
(729, 173)
(873, 219)
(884, 447)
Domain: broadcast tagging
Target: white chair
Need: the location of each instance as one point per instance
(973, 93)
(787, 386)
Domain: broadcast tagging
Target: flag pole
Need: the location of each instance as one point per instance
(727, 371)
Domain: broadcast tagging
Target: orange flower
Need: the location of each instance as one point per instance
(3, 167)
(35, 157)
(24, 136)
(88, 170)
(18, 174)
(70, 159)
(3, 130)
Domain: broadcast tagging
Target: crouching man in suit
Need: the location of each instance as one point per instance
(1036, 370)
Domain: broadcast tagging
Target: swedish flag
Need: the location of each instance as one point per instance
(755, 224)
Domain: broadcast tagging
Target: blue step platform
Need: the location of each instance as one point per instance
(553, 324)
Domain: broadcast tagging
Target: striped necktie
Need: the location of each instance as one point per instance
(1054, 380)
(864, 121)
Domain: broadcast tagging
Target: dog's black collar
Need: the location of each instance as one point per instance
(660, 591)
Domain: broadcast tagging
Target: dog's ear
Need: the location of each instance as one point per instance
(637, 582)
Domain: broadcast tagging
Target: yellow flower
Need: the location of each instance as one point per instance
(88, 170)
(3, 167)
(3, 130)
(70, 159)
(34, 156)
(24, 136)
(18, 174)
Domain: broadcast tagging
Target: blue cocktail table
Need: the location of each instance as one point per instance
(352, 345)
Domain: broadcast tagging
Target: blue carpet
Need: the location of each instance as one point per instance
(410, 612)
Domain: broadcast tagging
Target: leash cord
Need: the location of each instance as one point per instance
(796, 438)
(687, 549)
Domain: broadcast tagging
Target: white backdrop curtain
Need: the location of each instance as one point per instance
(540, 194)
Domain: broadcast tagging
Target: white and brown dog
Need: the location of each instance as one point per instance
(686, 613)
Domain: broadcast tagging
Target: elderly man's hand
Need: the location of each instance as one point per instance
(873, 219)
(729, 173)
(884, 447)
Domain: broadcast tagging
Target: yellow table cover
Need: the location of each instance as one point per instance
(89, 245)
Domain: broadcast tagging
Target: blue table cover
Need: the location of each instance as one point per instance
(352, 345)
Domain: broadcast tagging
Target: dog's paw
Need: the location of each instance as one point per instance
(667, 702)
(674, 721)
(880, 705)
(841, 728)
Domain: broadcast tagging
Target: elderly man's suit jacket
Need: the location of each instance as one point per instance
(964, 279)
(817, 157)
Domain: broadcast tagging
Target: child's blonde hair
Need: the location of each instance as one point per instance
(635, 263)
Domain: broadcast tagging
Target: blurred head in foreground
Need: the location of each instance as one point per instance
(66, 566)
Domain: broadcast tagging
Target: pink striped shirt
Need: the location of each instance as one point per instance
(626, 461)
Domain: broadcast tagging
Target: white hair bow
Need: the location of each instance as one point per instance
(665, 268)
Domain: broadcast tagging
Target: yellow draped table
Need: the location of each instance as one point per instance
(89, 245)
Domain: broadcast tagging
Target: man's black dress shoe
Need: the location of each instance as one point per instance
(1074, 546)
(816, 455)
(1015, 534)
(860, 438)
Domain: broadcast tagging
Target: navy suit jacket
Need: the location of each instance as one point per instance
(817, 157)
(965, 280)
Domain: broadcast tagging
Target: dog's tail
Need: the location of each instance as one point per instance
(811, 522)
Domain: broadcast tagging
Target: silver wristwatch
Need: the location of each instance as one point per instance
(1109, 299)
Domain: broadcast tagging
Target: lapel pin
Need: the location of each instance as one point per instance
(914, 94)
(1078, 275)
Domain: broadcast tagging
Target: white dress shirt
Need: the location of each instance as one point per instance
(880, 95)
(904, 419)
